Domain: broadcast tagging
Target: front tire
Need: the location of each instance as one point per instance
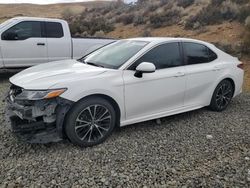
(222, 96)
(90, 122)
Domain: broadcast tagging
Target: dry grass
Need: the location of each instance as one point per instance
(8, 11)
(126, 31)
(246, 62)
(224, 33)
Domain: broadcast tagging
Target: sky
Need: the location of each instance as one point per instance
(40, 1)
(47, 1)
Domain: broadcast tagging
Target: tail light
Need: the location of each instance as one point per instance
(241, 66)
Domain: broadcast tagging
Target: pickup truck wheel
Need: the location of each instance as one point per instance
(90, 122)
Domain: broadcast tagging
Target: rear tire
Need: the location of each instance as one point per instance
(90, 122)
(222, 96)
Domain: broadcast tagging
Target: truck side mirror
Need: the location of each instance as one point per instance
(10, 36)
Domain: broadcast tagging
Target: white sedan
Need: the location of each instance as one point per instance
(129, 81)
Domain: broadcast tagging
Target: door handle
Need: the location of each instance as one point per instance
(40, 44)
(180, 74)
(216, 68)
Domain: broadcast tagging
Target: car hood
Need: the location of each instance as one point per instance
(45, 76)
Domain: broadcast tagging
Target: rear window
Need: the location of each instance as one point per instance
(53, 30)
(211, 55)
(198, 53)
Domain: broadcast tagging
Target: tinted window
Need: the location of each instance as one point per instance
(163, 56)
(211, 55)
(198, 53)
(23, 30)
(53, 30)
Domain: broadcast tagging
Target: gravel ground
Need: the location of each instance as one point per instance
(195, 149)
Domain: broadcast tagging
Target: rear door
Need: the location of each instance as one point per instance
(22, 45)
(202, 69)
(59, 45)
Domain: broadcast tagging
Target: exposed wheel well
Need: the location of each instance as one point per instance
(113, 103)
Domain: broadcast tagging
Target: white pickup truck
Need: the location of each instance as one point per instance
(27, 41)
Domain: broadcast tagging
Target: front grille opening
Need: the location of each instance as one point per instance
(16, 90)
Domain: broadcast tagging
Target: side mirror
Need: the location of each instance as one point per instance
(10, 36)
(144, 67)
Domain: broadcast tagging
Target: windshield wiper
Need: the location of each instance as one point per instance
(94, 64)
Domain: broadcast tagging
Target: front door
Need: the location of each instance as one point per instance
(22, 45)
(158, 92)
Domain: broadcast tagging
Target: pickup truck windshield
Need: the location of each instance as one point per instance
(115, 55)
(6, 23)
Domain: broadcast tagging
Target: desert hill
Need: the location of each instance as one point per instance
(52, 11)
(223, 22)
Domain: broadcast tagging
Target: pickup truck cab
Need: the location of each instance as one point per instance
(28, 41)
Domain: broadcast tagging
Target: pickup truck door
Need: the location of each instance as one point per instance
(22, 45)
(59, 41)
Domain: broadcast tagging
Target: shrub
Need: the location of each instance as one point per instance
(151, 7)
(240, 1)
(216, 12)
(244, 12)
(67, 14)
(208, 15)
(126, 19)
(147, 33)
(74, 28)
(185, 3)
(99, 33)
(233, 49)
(216, 2)
(229, 10)
(139, 20)
(91, 26)
(246, 37)
(98, 24)
(247, 22)
(167, 17)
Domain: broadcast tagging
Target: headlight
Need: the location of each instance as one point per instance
(38, 95)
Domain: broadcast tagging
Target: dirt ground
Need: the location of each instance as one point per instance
(195, 149)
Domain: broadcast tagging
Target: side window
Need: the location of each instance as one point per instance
(53, 30)
(211, 55)
(23, 30)
(163, 56)
(198, 53)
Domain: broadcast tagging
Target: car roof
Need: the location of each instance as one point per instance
(168, 39)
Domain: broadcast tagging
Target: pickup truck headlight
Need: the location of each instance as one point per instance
(38, 95)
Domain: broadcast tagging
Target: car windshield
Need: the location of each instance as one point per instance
(114, 55)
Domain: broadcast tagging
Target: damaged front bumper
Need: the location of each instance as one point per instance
(39, 121)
